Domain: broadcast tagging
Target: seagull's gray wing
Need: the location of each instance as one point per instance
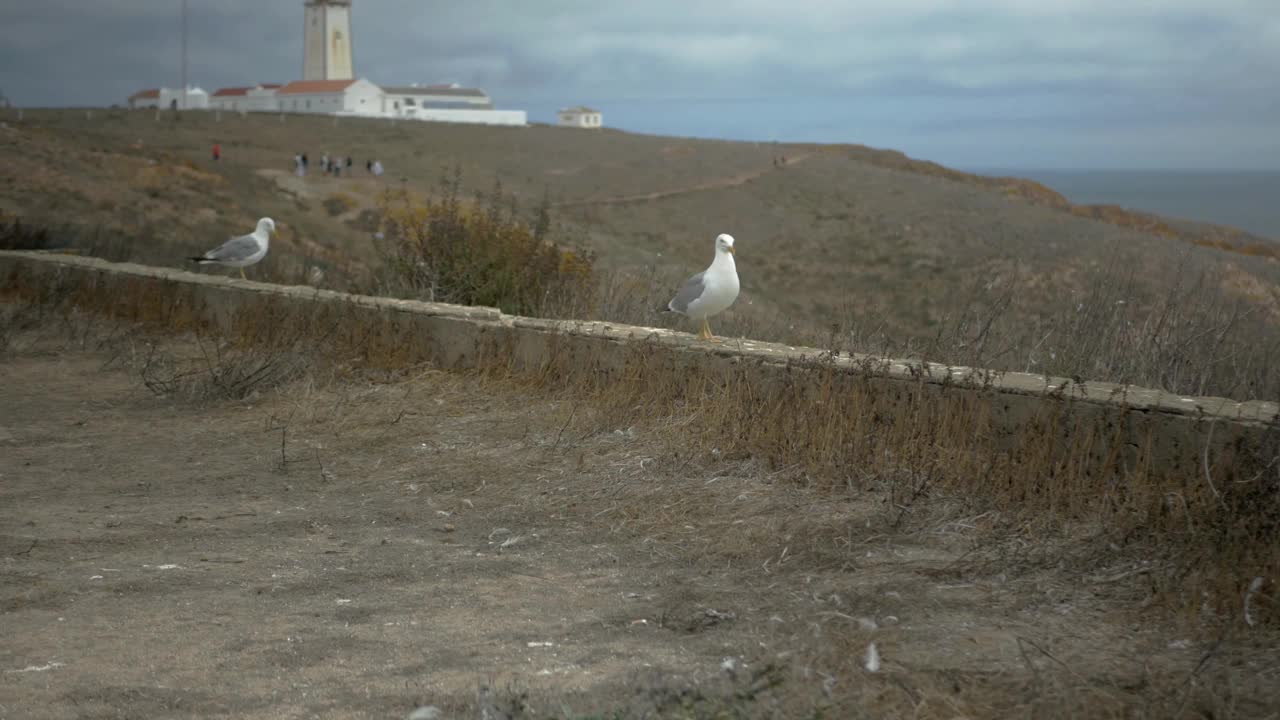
(236, 249)
(691, 291)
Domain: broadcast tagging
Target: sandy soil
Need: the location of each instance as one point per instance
(362, 547)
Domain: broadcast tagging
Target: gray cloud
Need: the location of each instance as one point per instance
(1199, 74)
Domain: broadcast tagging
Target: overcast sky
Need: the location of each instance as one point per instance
(970, 83)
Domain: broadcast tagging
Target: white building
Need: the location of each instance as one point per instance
(346, 97)
(259, 98)
(405, 101)
(326, 44)
(145, 99)
(193, 99)
(329, 85)
(446, 103)
(581, 117)
(196, 99)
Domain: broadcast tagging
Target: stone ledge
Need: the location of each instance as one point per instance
(1105, 394)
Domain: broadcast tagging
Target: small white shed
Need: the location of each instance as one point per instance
(581, 117)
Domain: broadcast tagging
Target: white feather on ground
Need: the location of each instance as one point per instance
(872, 660)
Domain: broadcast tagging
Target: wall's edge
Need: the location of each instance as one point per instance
(13, 265)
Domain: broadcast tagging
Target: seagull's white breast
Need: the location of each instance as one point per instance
(720, 288)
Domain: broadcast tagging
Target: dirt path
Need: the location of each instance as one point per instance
(360, 193)
(365, 189)
(718, 184)
(363, 548)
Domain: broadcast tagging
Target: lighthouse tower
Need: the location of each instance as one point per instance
(327, 43)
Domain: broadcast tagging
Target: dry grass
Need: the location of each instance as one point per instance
(899, 256)
(1195, 534)
(481, 253)
(1205, 537)
(339, 203)
(777, 475)
(1201, 337)
(219, 371)
(764, 468)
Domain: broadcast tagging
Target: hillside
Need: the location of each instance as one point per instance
(844, 246)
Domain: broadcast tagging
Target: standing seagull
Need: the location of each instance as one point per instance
(711, 291)
(242, 251)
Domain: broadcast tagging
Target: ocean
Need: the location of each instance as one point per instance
(1249, 200)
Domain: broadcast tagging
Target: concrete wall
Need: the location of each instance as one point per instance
(314, 103)
(477, 117)
(409, 104)
(257, 100)
(1106, 429)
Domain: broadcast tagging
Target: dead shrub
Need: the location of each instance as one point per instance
(339, 203)
(221, 369)
(14, 235)
(1206, 530)
(1260, 250)
(481, 253)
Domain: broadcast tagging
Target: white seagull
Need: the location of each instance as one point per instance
(711, 291)
(243, 251)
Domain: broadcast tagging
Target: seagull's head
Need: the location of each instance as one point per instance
(266, 225)
(724, 243)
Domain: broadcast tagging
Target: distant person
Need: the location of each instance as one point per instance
(299, 168)
(217, 152)
(324, 162)
(304, 163)
(348, 164)
(377, 168)
(368, 166)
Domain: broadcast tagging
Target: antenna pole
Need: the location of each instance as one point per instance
(183, 102)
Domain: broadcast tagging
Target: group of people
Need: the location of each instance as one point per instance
(334, 165)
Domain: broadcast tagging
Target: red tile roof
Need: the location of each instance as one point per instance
(241, 91)
(152, 93)
(306, 87)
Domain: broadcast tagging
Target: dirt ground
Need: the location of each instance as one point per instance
(364, 546)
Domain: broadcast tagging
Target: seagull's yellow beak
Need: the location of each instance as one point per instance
(731, 252)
